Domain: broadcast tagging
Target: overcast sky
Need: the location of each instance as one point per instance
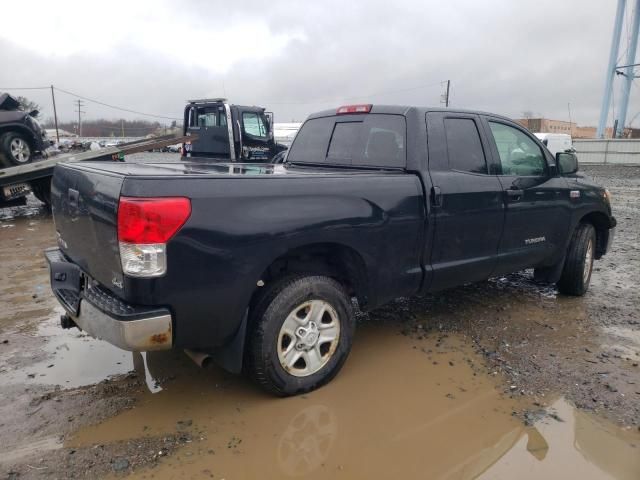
(298, 57)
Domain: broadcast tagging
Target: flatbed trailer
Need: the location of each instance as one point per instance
(17, 182)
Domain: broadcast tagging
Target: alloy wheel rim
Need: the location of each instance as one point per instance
(588, 261)
(308, 338)
(20, 150)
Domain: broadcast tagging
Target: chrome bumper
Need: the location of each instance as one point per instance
(140, 335)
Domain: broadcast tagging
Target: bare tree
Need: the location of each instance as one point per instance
(28, 105)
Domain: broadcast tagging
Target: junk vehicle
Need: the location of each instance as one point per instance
(257, 266)
(234, 133)
(18, 181)
(22, 138)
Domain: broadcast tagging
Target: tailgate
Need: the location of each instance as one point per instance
(85, 204)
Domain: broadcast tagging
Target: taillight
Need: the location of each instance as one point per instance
(145, 225)
(354, 109)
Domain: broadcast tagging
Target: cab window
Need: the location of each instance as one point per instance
(519, 154)
(207, 117)
(464, 146)
(373, 140)
(253, 124)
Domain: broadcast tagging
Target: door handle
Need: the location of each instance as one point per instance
(436, 196)
(514, 195)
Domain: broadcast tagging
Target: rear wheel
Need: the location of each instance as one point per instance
(301, 334)
(14, 149)
(578, 265)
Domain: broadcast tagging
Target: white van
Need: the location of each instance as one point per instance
(556, 142)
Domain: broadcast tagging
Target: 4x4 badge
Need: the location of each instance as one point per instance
(574, 194)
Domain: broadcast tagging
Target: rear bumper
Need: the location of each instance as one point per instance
(103, 315)
(142, 335)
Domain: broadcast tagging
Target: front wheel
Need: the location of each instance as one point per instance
(14, 149)
(301, 334)
(576, 273)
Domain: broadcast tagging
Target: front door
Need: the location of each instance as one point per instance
(466, 198)
(257, 136)
(537, 213)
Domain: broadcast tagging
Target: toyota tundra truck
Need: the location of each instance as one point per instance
(260, 267)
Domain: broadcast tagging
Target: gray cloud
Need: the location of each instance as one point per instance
(501, 56)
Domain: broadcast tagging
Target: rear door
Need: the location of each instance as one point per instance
(466, 198)
(209, 122)
(537, 214)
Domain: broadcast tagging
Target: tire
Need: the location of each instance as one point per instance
(578, 265)
(282, 361)
(15, 149)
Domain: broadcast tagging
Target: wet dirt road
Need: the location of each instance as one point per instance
(480, 381)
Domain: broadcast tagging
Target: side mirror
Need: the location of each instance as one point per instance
(34, 113)
(567, 163)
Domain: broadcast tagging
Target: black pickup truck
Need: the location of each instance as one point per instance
(258, 266)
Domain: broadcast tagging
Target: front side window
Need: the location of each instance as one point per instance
(519, 154)
(464, 145)
(254, 125)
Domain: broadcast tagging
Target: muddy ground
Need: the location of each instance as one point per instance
(491, 380)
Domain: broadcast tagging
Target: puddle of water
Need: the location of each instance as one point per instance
(71, 359)
(395, 411)
(580, 446)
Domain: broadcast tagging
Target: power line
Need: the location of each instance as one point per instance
(342, 99)
(93, 100)
(24, 88)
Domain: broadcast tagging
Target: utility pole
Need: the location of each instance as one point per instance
(122, 126)
(55, 115)
(80, 112)
(628, 74)
(445, 96)
(611, 68)
(570, 122)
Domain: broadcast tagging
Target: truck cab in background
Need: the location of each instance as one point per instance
(228, 132)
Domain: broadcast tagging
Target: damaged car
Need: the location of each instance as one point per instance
(21, 136)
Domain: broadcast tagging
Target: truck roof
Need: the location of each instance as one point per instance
(406, 109)
(208, 100)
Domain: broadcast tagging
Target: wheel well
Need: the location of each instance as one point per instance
(601, 223)
(28, 135)
(337, 261)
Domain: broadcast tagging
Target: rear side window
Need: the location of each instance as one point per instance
(371, 140)
(464, 146)
(207, 117)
